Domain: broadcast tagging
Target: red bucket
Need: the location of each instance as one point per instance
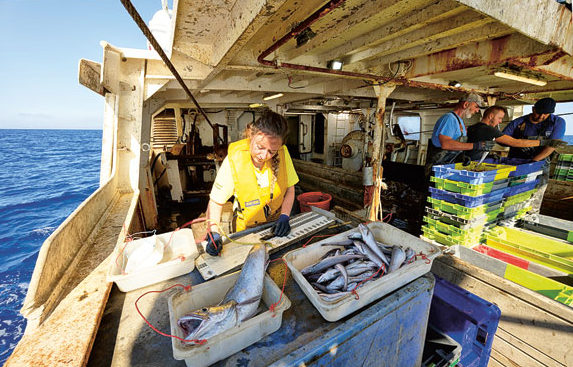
(317, 199)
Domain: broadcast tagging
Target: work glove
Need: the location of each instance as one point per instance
(554, 143)
(282, 226)
(214, 243)
(483, 146)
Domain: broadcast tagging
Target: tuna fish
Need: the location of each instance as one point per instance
(239, 304)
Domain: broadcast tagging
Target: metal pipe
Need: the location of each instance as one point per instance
(325, 9)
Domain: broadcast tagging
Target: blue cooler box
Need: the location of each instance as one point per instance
(466, 318)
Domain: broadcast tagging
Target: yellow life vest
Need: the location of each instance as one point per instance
(251, 198)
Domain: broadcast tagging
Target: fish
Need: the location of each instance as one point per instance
(366, 250)
(397, 259)
(331, 297)
(328, 275)
(343, 272)
(328, 262)
(369, 240)
(239, 304)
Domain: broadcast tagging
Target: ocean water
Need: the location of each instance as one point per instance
(44, 176)
(569, 139)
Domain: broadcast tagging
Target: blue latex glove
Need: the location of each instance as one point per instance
(214, 244)
(282, 226)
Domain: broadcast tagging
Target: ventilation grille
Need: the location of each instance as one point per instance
(164, 131)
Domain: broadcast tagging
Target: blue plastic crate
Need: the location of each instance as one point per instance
(466, 318)
(518, 189)
(468, 201)
(458, 172)
(522, 166)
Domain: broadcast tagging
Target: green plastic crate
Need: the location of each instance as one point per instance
(462, 211)
(566, 157)
(487, 219)
(446, 240)
(452, 230)
(516, 199)
(465, 188)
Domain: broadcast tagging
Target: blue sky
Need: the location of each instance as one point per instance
(42, 43)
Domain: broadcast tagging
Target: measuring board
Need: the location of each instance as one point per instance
(234, 254)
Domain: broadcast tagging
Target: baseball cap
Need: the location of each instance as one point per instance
(473, 97)
(545, 105)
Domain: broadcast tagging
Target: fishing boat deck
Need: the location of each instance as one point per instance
(124, 339)
(86, 290)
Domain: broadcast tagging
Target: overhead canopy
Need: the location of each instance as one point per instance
(434, 50)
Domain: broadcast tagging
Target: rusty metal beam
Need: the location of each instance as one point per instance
(483, 53)
(543, 20)
(463, 22)
(399, 27)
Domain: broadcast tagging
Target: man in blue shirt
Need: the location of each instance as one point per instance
(449, 138)
(540, 124)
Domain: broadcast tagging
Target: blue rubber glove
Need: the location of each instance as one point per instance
(282, 226)
(214, 244)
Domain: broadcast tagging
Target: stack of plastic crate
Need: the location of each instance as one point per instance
(465, 201)
(523, 182)
(564, 169)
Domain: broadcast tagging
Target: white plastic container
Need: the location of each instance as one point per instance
(178, 259)
(372, 290)
(233, 340)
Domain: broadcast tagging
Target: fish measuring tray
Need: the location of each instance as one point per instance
(230, 341)
(178, 259)
(370, 291)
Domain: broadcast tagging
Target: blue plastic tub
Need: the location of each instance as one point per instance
(458, 172)
(518, 189)
(468, 201)
(522, 166)
(466, 318)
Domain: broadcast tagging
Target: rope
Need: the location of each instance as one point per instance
(424, 257)
(186, 288)
(317, 236)
(356, 296)
(141, 24)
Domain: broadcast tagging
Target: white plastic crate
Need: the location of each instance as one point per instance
(178, 259)
(372, 290)
(230, 341)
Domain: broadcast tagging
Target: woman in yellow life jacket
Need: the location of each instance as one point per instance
(259, 172)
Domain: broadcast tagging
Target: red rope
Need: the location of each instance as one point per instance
(274, 305)
(356, 296)
(424, 257)
(321, 235)
(187, 288)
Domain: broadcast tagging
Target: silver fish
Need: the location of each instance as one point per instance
(328, 275)
(342, 242)
(240, 302)
(336, 284)
(366, 250)
(369, 240)
(327, 263)
(343, 272)
(410, 255)
(398, 257)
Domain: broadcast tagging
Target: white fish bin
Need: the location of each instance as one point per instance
(231, 341)
(153, 259)
(370, 291)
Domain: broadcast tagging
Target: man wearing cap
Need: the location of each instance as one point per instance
(540, 124)
(449, 138)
